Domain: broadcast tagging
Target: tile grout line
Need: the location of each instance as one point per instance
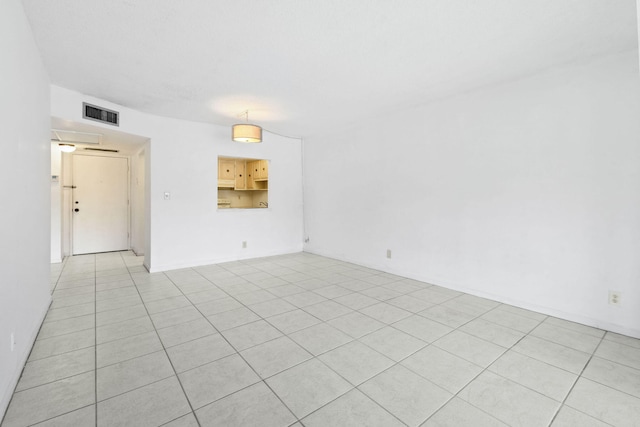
(165, 352)
(237, 352)
(316, 357)
(562, 404)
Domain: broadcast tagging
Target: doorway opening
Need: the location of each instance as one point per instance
(98, 192)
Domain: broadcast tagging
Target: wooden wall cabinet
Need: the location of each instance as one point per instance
(257, 175)
(226, 173)
(243, 174)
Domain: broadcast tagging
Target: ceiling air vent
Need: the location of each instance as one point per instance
(99, 114)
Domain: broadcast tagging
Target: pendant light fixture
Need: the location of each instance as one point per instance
(67, 148)
(245, 132)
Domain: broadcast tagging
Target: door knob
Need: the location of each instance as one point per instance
(77, 210)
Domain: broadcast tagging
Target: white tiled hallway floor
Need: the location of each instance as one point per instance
(305, 340)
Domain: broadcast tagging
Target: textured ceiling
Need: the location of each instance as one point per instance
(304, 66)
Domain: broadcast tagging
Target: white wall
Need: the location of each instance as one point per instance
(137, 203)
(181, 158)
(527, 192)
(25, 192)
(56, 204)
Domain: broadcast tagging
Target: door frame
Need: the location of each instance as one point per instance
(69, 205)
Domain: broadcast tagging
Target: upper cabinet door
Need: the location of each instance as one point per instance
(264, 169)
(241, 175)
(226, 169)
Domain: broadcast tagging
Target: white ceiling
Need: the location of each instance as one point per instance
(303, 66)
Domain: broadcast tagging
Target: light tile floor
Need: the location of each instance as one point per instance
(305, 340)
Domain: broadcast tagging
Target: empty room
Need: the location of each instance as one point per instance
(320, 213)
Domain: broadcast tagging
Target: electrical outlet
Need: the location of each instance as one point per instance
(13, 342)
(615, 297)
(306, 240)
(389, 253)
(244, 244)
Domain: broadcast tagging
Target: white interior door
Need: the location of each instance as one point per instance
(100, 204)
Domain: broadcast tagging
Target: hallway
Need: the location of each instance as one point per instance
(305, 340)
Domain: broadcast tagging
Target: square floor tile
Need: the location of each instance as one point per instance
(218, 306)
(457, 413)
(62, 344)
(566, 337)
(327, 310)
(514, 321)
(356, 362)
(622, 339)
(470, 348)
(293, 321)
(167, 304)
(304, 299)
(356, 301)
(85, 417)
(184, 332)
(233, 318)
(569, 417)
(62, 327)
(334, 291)
(409, 303)
(125, 376)
(218, 379)
(554, 354)
(352, 409)
(405, 394)
(573, 326)
(508, 401)
(116, 303)
(356, 324)
(188, 420)
(492, 332)
(320, 338)
(154, 404)
(272, 307)
(120, 314)
(55, 368)
(620, 353)
(211, 293)
(393, 343)
(614, 375)
(432, 296)
(275, 356)
(50, 400)
(386, 313)
(256, 405)
(539, 376)
(124, 329)
(604, 403)
(447, 316)
(422, 328)
(381, 293)
(199, 352)
(255, 297)
(308, 386)
(442, 368)
(286, 290)
(127, 348)
(69, 312)
(174, 317)
(251, 334)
